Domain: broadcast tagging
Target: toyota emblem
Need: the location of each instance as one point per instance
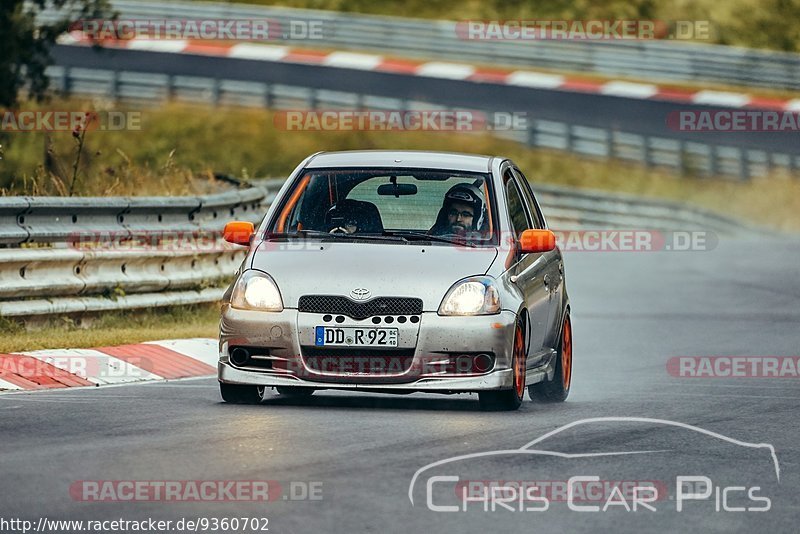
(360, 293)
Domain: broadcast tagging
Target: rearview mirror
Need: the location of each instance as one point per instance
(238, 232)
(397, 190)
(532, 241)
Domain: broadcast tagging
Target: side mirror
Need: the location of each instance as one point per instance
(532, 241)
(238, 232)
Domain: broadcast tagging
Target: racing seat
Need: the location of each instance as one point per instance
(364, 215)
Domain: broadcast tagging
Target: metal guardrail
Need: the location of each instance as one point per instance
(79, 274)
(682, 156)
(567, 208)
(651, 60)
(119, 252)
(61, 219)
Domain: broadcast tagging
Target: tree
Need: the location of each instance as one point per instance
(25, 46)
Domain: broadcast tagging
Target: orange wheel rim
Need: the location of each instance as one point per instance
(519, 363)
(566, 354)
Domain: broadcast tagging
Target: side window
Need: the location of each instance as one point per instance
(533, 206)
(519, 219)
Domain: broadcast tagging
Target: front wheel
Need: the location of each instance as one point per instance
(509, 399)
(239, 394)
(557, 389)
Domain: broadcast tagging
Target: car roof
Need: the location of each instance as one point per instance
(419, 159)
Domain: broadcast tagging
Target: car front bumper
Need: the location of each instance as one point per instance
(281, 333)
(501, 379)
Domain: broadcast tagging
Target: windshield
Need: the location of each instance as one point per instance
(408, 204)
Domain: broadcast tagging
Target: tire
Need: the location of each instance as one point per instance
(509, 399)
(295, 392)
(557, 389)
(239, 394)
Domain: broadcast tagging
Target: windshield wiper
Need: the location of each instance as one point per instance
(419, 236)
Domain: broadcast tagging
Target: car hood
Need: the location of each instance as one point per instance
(397, 270)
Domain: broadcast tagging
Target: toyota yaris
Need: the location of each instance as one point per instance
(399, 272)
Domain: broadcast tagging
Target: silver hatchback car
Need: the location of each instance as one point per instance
(399, 272)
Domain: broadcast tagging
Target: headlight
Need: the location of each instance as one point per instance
(471, 296)
(255, 290)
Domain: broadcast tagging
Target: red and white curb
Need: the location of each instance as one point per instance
(446, 70)
(141, 362)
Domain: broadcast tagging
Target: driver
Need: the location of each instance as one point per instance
(462, 211)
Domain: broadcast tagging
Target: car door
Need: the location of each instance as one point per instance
(528, 271)
(554, 268)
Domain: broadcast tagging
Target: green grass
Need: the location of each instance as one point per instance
(769, 24)
(118, 328)
(179, 146)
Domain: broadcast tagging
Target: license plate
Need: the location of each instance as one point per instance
(327, 336)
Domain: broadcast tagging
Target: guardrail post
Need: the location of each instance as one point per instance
(713, 167)
(216, 90)
(570, 139)
(66, 81)
(113, 86)
(744, 165)
(683, 162)
(313, 100)
(268, 96)
(647, 154)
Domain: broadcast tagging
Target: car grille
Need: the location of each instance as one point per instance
(335, 304)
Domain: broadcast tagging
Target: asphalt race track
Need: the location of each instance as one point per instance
(632, 312)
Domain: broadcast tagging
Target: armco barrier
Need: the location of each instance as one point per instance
(575, 209)
(61, 219)
(82, 254)
(77, 273)
(689, 157)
